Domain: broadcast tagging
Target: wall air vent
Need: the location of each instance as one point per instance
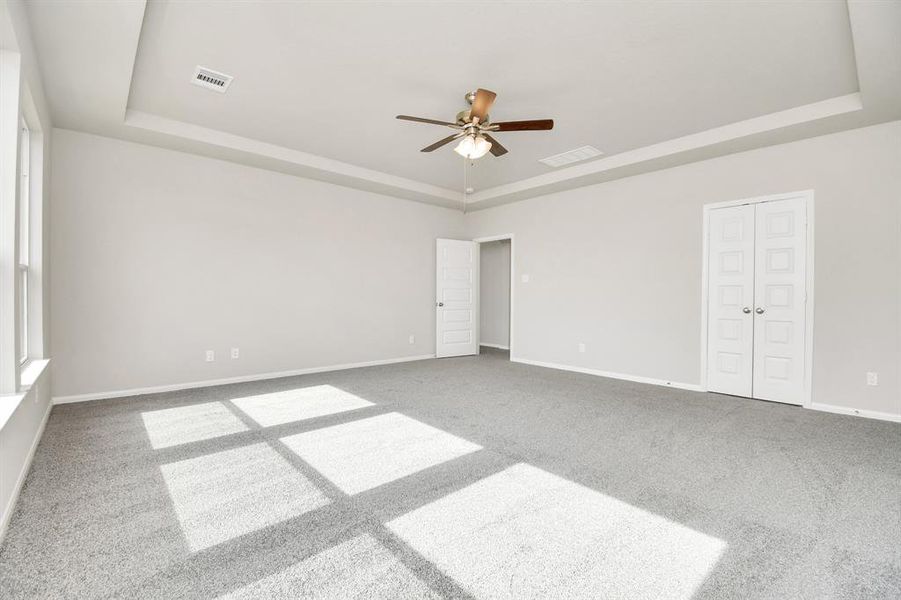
(571, 156)
(210, 79)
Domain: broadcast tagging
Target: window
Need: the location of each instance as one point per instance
(22, 347)
(24, 226)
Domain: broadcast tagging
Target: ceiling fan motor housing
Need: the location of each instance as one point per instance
(464, 117)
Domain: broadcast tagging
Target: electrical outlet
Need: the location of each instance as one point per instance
(236, 353)
(210, 356)
(412, 339)
(524, 278)
(872, 378)
(582, 348)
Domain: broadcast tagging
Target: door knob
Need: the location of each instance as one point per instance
(441, 304)
(746, 310)
(759, 311)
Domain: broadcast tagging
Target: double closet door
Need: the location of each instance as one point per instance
(757, 261)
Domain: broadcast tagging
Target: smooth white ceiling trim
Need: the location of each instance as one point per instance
(214, 137)
(807, 113)
(136, 11)
(774, 121)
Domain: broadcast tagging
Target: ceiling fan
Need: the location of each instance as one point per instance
(475, 128)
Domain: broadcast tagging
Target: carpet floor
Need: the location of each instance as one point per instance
(456, 478)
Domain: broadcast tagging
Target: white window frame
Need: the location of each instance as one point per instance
(24, 225)
(22, 161)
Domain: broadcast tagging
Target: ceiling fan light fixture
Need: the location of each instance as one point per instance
(473, 146)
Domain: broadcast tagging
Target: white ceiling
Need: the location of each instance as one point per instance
(328, 78)
(317, 84)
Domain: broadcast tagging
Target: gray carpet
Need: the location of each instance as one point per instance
(456, 478)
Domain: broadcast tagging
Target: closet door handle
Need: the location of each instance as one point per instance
(746, 310)
(759, 311)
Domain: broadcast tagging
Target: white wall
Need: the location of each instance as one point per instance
(155, 250)
(494, 293)
(160, 255)
(617, 265)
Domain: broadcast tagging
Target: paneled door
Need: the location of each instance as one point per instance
(456, 308)
(730, 301)
(756, 300)
(779, 300)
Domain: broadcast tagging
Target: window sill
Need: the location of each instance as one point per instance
(8, 405)
(30, 373)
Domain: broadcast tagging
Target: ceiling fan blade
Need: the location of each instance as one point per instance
(482, 104)
(423, 120)
(440, 143)
(534, 125)
(496, 148)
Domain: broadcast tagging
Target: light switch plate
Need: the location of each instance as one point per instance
(872, 378)
(525, 278)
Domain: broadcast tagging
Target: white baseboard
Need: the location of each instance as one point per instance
(498, 346)
(241, 379)
(636, 378)
(841, 410)
(844, 410)
(8, 510)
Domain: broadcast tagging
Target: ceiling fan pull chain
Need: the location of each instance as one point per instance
(465, 182)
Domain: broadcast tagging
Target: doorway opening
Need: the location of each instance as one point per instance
(475, 311)
(495, 295)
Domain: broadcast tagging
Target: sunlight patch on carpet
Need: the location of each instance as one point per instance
(298, 404)
(364, 454)
(221, 496)
(361, 567)
(185, 424)
(526, 533)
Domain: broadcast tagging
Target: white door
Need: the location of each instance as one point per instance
(456, 299)
(779, 300)
(730, 300)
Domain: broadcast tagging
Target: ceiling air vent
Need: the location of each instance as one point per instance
(213, 80)
(565, 158)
